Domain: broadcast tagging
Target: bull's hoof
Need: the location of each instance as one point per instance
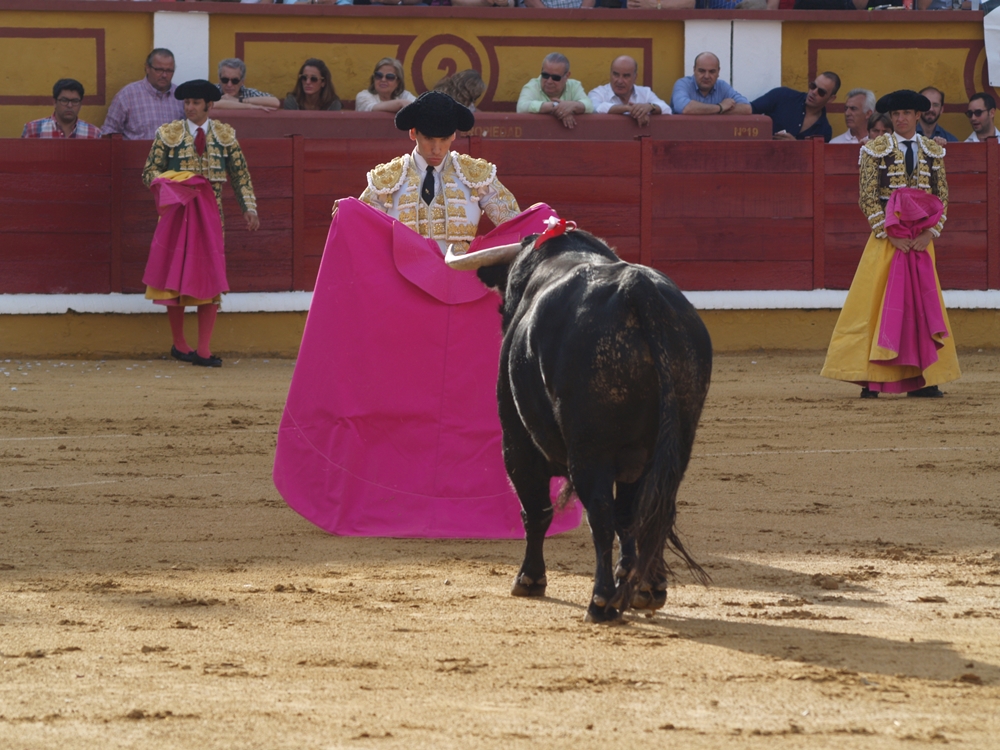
(601, 614)
(651, 600)
(525, 585)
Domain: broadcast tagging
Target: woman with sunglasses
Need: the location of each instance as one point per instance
(314, 89)
(386, 89)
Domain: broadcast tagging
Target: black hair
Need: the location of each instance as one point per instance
(988, 100)
(67, 84)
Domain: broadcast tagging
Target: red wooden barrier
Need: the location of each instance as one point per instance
(75, 217)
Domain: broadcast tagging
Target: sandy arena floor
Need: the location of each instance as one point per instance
(155, 591)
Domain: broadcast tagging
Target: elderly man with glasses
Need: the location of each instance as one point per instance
(65, 121)
(982, 108)
(555, 93)
(797, 115)
(141, 107)
(236, 95)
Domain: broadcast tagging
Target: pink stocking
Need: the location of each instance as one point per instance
(175, 315)
(206, 322)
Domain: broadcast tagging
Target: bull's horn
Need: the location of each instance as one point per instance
(489, 257)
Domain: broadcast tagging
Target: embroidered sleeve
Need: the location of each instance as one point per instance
(497, 202)
(239, 177)
(156, 162)
(942, 192)
(868, 192)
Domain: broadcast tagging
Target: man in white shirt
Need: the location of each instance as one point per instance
(857, 109)
(622, 97)
(982, 108)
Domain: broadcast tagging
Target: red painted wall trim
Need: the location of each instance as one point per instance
(646, 200)
(117, 211)
(993, 214)
(819, 214)
(299, 280)
(11, 32)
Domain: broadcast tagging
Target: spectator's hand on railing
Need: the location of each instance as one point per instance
(783, 135)
(641, 113)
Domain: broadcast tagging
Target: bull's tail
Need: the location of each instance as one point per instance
(656, 502)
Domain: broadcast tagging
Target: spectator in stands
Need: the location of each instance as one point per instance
(622, 97)
(655, 4)
(928, 125)
(878, 124)
(558, 3)
(65, 121)
(386, 89)
(858, 107)
(141, 107)
(314, 89)
(982, 108)
(796, 115)
(465, 87)
(235, 95)
(555, 93)
(704, 94)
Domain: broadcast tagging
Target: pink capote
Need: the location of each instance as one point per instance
(912, 327)
(391, 427)
(187, 254)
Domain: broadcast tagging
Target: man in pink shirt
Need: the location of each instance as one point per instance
(65, 121)
(141, 107)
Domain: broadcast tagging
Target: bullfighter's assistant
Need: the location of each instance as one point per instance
(893, 335)
(436, 192)
(189, 161)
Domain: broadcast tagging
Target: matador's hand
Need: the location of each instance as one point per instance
(253, 221)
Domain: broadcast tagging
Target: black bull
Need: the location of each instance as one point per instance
(603, 373)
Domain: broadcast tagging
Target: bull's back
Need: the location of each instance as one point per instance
(581, 369)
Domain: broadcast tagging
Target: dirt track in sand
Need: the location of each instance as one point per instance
(155, 592)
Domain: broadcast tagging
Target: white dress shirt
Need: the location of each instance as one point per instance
(604, 98)
(848, 137)
(975, 138)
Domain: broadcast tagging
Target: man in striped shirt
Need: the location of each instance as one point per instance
(141, 107)
(65, 121)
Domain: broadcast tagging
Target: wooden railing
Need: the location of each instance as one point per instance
(75, 217)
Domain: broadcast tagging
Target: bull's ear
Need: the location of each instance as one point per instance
(495, 277)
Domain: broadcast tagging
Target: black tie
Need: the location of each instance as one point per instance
(909, 157)
(427, 189)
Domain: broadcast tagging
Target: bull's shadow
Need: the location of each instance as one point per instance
(927, 660)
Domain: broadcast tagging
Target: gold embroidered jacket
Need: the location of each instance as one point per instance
(470, 186)
(883, 169)
(173, 149)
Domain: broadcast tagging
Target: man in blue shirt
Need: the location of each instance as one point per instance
(797, 115)
(704, 94)
(928, 123)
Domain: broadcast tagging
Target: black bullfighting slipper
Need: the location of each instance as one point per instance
(931, 391)
(866, 393)
(205, 361)
(178, 354)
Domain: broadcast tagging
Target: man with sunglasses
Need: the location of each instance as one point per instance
(982, 108)
(235, 95)
(864, 349)
(65, 121)
(555, 93)
(141, 107)
(797, 115)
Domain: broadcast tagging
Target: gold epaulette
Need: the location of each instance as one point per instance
(224, 133)
(388, 177)
(475, 173)
(932, 148)
(172, 133)
(881, 146)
